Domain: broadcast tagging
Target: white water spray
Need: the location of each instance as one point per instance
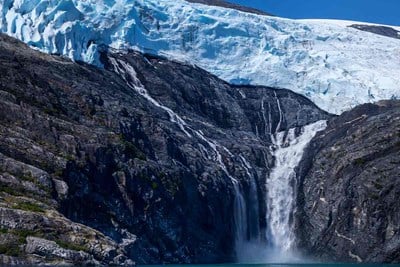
(280, 193)
(280, 189)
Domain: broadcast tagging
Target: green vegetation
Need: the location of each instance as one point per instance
(68, 157)
(130, 150)
(10, 250)
(377, 185)
(70, 246)
(28, 177)
(22, 234)
(12, 191)
(53, 110)
(360, 161)
(59, 172)
(154, 185)
(170, 183)
(28, 207)
(17, 191)
(374, 196)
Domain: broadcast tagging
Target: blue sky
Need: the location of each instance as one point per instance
(377, 11)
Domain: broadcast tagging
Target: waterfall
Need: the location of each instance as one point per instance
(279, 184)
(280, 201)
(240, 216)
(248, 234)
(280, 190)
(240, 212)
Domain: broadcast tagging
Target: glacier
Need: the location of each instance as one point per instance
(336, 66)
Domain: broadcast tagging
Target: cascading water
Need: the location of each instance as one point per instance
(280, 192)
(248, 235)
(242, 228)
(280, 188)
(240, 214)
(279, 184)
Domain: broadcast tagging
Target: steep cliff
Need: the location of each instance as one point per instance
(348, 201)
(145, 161)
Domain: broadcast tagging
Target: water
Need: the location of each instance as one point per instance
(128, 73)
(282, 265)
(239, 215)
(280, 184)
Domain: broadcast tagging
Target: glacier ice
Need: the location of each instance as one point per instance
(335, 66)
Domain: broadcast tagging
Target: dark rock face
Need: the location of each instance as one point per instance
(348, 204)
(226, 4)
(381, 30)
(133, 163)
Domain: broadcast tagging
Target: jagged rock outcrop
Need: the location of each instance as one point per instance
(226, 4)
(348, 199)
(378, 29)
(134, 163)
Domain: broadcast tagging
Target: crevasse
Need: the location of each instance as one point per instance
(335, 66)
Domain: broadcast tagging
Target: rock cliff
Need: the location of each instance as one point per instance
(142, 161)
(348, 199)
